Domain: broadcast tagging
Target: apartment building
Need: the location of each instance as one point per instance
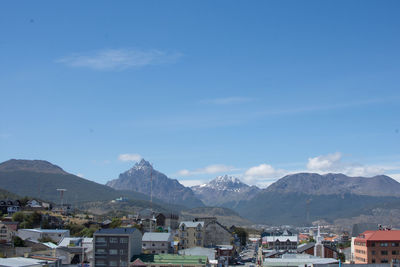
(157, 243)
(381, 246)
(191, 234)
(115, 247)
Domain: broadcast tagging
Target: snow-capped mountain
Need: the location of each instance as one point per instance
(225, 191)
(170, 190)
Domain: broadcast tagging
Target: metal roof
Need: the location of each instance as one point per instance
(116, 231)
(156, 237)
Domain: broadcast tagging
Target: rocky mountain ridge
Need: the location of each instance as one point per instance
(143, 178)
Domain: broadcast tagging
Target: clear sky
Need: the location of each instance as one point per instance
(257, 89)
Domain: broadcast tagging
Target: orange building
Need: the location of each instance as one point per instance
(381, 246)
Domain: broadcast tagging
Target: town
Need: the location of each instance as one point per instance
(36, 233)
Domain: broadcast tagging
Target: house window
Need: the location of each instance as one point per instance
(113, 252)
(114, 240)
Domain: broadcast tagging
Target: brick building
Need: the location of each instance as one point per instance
(381, 246)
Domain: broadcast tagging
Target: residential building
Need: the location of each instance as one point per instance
(191, 234)
(8, 206)
(381, 246)
(278, 243)
(55, 235)
(168, 221)
(157, 243)
(7, 231)
(115, 247)
(215, 233)
(310, 248)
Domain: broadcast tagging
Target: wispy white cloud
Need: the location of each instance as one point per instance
(211, 169)
(129, 157)
(227, 100)
(262, 175)
(119, 59)
(334, 163)
(191, 182)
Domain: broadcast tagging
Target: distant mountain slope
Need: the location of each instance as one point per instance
(329, 197)
(41, 179)
(41, 166)
(169, 190)
(225, 191)
(332, 184)
(4, 194)
(225, 216)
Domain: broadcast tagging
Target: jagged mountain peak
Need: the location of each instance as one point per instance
(141, 165)
(143, 178)
(226, 182)
(224, 190)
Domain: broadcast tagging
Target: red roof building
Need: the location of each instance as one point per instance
(381, 246)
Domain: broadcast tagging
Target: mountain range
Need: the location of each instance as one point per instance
(224, 191)
(295, 199)
(143, 178)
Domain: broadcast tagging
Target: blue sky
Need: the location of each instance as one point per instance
(256, 89)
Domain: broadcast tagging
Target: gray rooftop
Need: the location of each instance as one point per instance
(191, 224)
(116, 231)
(165, 237)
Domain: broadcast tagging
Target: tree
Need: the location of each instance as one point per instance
(242, 235)
(18, 217)
(341, 257)
(18, 242)
(116, 222)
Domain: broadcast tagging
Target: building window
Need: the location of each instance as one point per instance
(144, 244)
(373, 261)
(122, 252)
(123, 240)
(113, 240)
(113, 251)
(100, 239)
(163, 244)
(113, 263)
(373, 252)
(152, 245)
(395, 244)
(384, 252)
(124, 263)
(373, 244)
(384, 261)
(395, 252)
(163, 252)
(384, 244)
